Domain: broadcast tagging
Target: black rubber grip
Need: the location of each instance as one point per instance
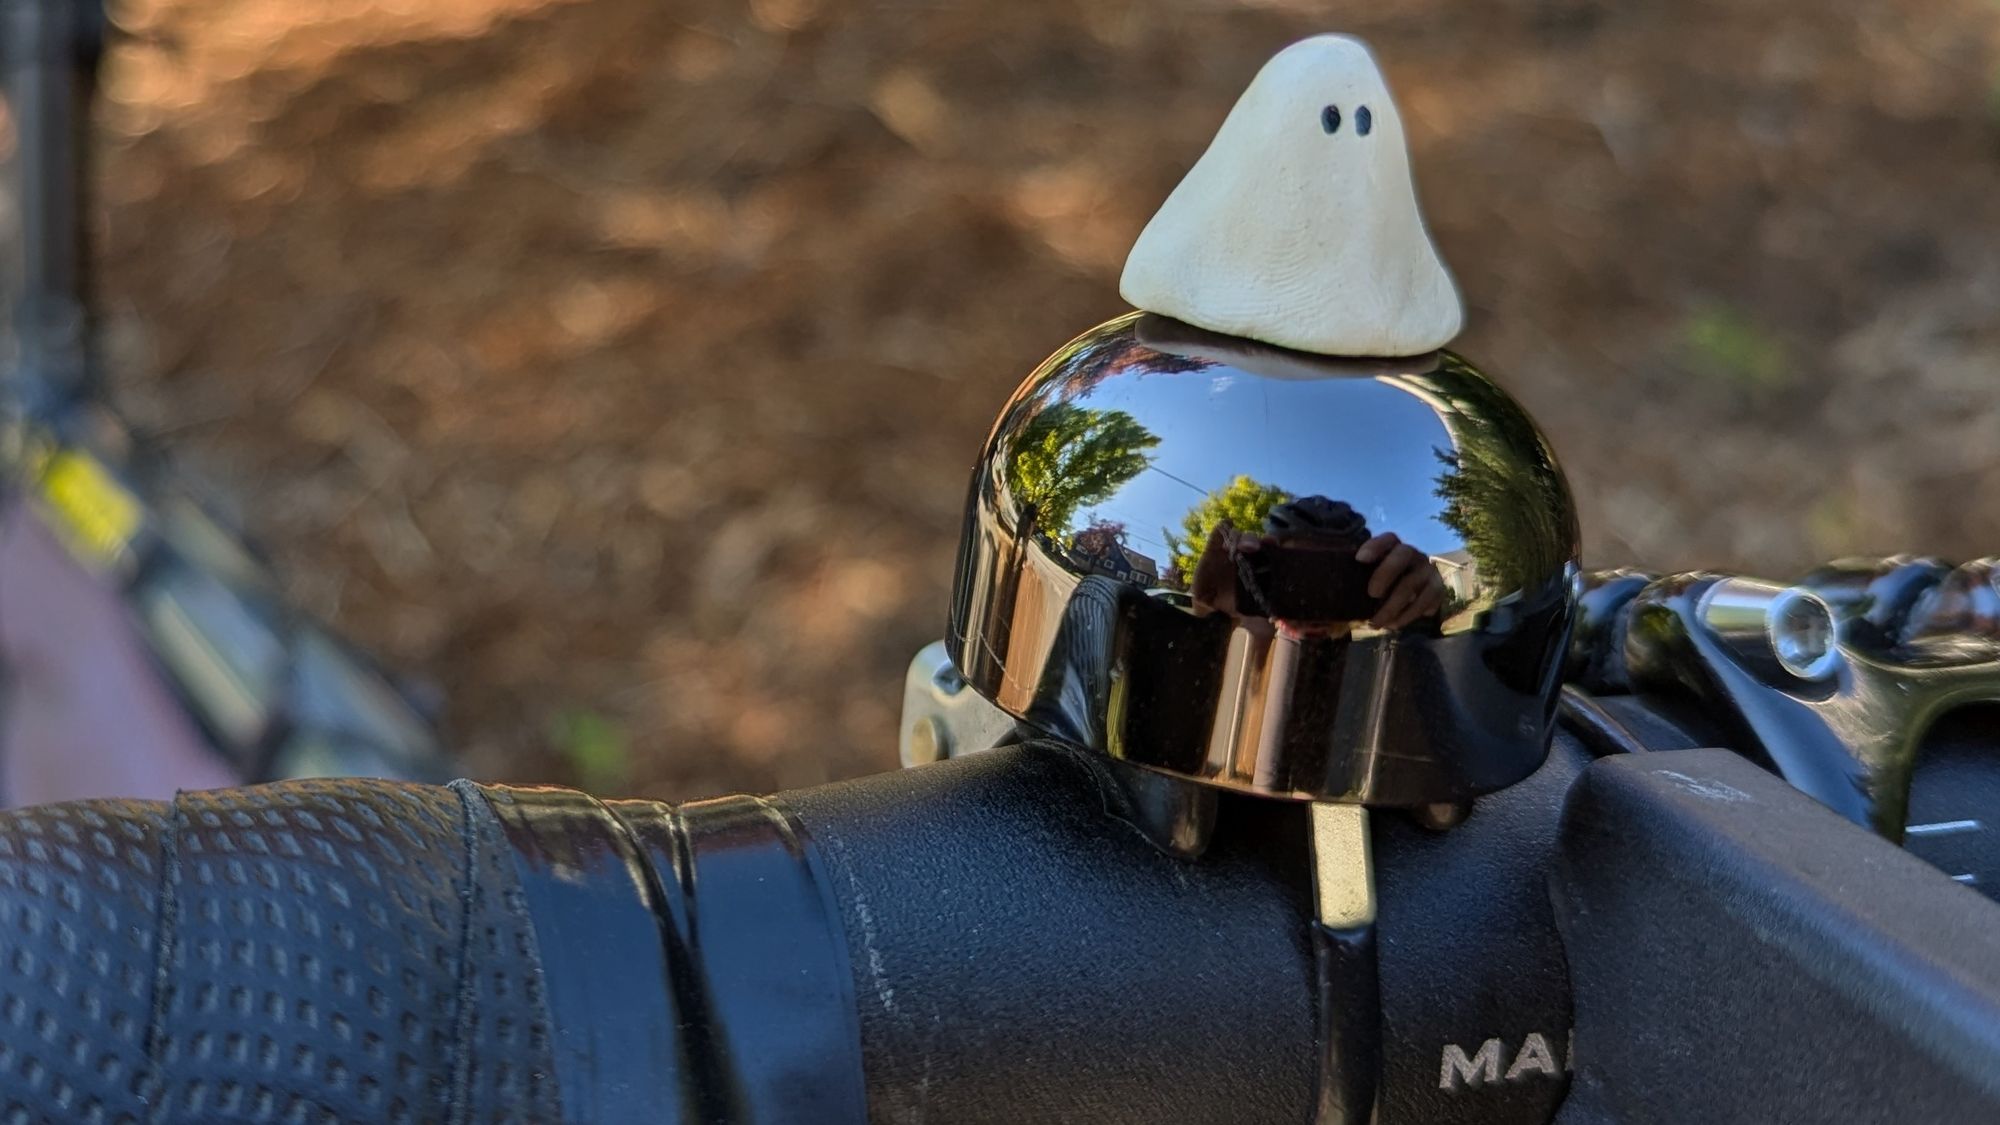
(317, 951)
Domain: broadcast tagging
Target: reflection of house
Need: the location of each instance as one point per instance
(1460, 572)
(1116, 561)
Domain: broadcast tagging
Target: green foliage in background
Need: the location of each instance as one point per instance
(1730, 347)
(1069, 457)
(596, 749)
(1243, 502)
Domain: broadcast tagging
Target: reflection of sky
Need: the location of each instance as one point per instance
(1355, 439)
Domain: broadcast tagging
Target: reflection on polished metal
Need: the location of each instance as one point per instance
(1964, 604)
(1844, 721)
(1164, 520)
(1597, 644)
(1875, 598)
(1778, 630)
(1175, 816)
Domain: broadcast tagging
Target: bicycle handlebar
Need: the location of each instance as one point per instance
(983, 939)
(976, 940)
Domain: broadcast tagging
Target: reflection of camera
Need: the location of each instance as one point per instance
(1305, 569)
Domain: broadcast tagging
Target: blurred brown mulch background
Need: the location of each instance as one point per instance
(617, 364)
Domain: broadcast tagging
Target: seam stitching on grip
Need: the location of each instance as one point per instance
(166, 923)
(465, 1017)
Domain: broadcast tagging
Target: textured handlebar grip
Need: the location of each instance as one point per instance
(315, 951)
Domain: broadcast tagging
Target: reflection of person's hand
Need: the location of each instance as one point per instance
(1405, 579)
(1214, 583)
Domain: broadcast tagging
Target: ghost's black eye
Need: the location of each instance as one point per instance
(1363, 120)
(1329, 119)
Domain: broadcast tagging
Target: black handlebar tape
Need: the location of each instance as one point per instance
(316, 951)
(344, 951)
(981, 940)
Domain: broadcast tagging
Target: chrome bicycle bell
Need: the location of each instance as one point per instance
(1139, 572)
(1218, 542)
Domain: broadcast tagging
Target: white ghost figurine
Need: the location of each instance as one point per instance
(1299, 225)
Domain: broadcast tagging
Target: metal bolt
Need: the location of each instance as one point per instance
(929, 742)
(1442, 816)
(948, 681)
(1786, 630)
(1802, 634)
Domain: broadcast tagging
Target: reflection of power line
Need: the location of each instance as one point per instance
(1179, 480)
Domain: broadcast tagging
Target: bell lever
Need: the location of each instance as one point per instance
(1344, 958)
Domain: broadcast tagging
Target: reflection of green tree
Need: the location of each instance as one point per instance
(1068, 457)
(1502, 490)
(1243, 502)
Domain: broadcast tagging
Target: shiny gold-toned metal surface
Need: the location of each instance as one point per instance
(1269, 571)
